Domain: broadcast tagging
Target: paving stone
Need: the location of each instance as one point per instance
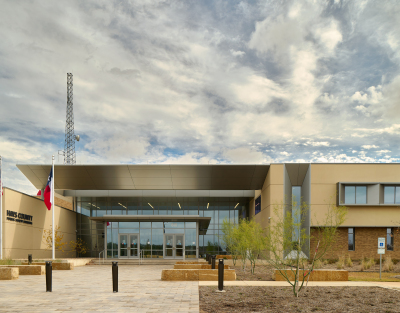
(89, 289)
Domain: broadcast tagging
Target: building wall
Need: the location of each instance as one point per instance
(324, 178)
(366, 243)
(271, 195)
(20, 239)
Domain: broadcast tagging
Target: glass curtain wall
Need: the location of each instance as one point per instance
(152, 234)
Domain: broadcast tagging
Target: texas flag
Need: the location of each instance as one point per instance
(48, 191)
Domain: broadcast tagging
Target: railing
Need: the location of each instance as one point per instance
(103, 255)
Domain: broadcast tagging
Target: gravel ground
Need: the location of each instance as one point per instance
(313, 299)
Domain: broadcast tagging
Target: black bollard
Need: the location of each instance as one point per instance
(115, 276)
(207, 257)
(29, 259)
(221, 275)
(213, 262)
(49, 276)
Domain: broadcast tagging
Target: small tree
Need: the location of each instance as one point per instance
(254, 239)
(229, 238)
(58, 237)
(287, 239)
(78, 246)
(246, 239)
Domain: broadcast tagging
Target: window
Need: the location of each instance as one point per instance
(296, 211)
(355, 194)
(392, 195)
(258, 205)
(352, 239)
(389, 239)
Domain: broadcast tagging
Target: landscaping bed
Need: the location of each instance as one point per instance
(263, 272)
(313, 299)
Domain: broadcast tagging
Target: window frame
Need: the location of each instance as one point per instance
(257, 202)
(353, 235)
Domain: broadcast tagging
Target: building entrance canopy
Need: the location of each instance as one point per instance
(148, 177)
(203, 222)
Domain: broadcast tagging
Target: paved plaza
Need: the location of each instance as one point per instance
(89, 289)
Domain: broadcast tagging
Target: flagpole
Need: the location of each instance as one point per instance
(1, 211)
(52, 204)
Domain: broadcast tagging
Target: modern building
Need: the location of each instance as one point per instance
(176, 211)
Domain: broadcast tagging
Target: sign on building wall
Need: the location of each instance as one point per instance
(19, 217)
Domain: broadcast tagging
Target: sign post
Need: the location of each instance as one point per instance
(381, 250)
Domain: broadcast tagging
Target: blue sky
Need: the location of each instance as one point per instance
(200, 81)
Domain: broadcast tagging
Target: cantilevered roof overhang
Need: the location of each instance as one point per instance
(204, 222)
(148, 177)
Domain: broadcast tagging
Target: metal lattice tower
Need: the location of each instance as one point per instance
(69, 146)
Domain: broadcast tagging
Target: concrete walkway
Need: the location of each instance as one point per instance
(89, 289)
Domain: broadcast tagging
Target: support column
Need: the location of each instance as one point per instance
(197, 240)
(105, 239)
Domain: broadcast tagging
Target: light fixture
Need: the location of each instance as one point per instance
(208, 205)
(151, 206)
(236, 205)
(179, 205)
(122, 205)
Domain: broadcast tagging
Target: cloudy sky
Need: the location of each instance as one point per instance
(200, 81)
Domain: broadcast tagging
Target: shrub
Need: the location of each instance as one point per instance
(349, 262)
(318, 264)
(340, 263)
(388, 264)
(367, 263)
(371, 262)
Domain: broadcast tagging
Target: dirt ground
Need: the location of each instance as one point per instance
(313, 299)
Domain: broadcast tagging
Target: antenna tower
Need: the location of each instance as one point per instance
(69, 146)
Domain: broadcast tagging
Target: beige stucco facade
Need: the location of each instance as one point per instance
(324, 179)
(272, 193)
(21, 239)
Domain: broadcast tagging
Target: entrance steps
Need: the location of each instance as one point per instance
(136, 261)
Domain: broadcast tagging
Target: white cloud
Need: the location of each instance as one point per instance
(244, 155)
(237, 53)
(369, 147)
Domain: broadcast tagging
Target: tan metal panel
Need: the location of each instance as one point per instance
(192, 181)
(143, 173)
(108, 170)
(152, 181)
(119, 187)
(115, 181)
(191, 172)
(41, 173)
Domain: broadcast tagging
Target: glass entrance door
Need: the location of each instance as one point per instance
(174, 246)
(128, 246)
